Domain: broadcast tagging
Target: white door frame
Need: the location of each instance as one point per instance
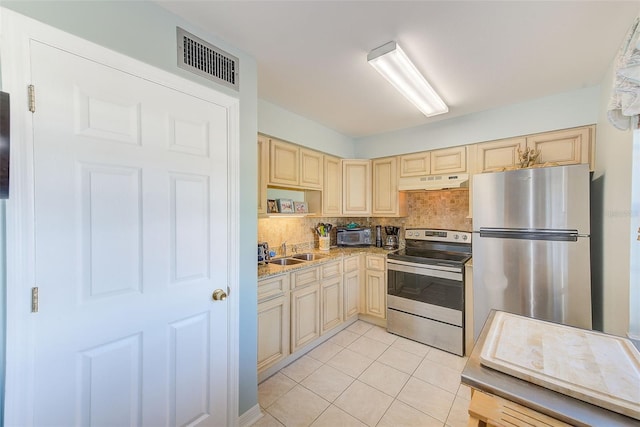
(17, 31)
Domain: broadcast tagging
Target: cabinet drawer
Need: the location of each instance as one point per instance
(375, 262)
(331, 269)
(273, 286)
(351, 263)
(304, 277)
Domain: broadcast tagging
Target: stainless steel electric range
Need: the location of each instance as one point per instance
(425, 300)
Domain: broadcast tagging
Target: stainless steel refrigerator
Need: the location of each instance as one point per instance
(531, 251)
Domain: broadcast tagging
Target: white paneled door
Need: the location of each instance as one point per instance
(130, 208)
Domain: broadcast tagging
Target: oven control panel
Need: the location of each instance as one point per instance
(437, 235)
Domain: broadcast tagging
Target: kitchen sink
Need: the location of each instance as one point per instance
(309, 256)
(285, 261)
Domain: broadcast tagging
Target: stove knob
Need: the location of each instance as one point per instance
(464, 237)
(456, 236)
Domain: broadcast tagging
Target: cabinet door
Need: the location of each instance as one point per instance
(449, 160)
(283, 163)
(332, 190)
(331, 303)
(356, 187)
(263, 173)
(564, 147)
(351, 285)
(311, 167)
(498, 155)
(417, 164)
(305, 316)
(385, 187)
(376, 293)
(273, 331)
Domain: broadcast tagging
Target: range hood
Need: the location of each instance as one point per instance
(433, 182)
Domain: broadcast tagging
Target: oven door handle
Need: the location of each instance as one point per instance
(449, 273)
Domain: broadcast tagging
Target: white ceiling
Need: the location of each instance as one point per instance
(478, 55)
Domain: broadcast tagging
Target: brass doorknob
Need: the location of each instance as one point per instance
(219, 295)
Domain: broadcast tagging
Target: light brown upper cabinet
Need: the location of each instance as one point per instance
(311, 167)
(332, 190)
(356, 187)
(387, 200)
(449, 160)
(263, 173)
(498, 155)
(416, 164)
(294, 166)
(562, 147)
(565, 147)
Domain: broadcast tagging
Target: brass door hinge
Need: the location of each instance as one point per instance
(32, 98)
(34, 299)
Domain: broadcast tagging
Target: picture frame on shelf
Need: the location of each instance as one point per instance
(272, 206)
(285, 206)
(300, 207)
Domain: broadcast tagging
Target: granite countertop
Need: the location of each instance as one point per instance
(335, 253)
(538, 398)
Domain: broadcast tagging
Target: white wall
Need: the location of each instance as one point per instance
(613, 174)
(282, 124)
(559, 111)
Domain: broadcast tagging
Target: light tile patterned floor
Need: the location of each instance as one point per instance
(364, 376)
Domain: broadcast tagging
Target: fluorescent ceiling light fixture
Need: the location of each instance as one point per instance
(397, 68)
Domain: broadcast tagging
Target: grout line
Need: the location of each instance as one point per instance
(357, 378)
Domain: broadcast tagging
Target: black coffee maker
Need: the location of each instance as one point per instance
(391, 241)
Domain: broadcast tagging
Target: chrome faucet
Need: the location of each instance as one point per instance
(284, 248)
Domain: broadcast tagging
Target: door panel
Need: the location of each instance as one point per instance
(125, 213)
(535, 198)
(548, 280)
(111, 201)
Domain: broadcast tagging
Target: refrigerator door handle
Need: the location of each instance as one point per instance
(530, 234)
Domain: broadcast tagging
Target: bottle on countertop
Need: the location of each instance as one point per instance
(378, 236)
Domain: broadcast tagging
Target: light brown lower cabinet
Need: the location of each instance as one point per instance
(273, 331)
(273, 320)
(331, 303)
(331, 309)
(305, 315)
(298, 308)
(486, 410)
(375, 286)
(351, 286)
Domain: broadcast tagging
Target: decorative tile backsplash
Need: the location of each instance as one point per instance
(446, 209)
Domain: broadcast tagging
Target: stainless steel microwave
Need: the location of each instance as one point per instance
(360, 236)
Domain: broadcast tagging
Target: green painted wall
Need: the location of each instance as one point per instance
(147, 32)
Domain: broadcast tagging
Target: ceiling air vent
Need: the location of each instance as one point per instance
(206, 60)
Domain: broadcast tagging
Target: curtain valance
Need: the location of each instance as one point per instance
(624, 106)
